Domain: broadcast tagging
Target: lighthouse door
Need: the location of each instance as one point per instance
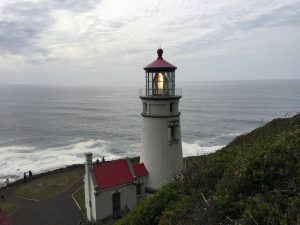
(116, 200)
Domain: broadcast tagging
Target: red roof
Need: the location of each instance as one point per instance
(140, 170)
(3, 219)
(112, 174)
(160, 63)
(117, 173)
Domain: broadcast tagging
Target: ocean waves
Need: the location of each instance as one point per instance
(19, 159)
(196, 149)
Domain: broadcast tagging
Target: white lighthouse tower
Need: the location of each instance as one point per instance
(161, 150)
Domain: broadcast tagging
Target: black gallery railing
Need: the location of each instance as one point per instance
(160, 92)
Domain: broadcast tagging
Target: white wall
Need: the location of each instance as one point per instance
(104, 200)
(162, 159)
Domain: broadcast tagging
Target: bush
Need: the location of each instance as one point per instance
(254, 179)
(150, 210)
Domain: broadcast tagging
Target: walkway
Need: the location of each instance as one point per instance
(59, 210)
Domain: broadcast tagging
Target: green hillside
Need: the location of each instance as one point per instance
(253, 180)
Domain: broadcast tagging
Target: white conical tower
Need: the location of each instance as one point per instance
(161, 150)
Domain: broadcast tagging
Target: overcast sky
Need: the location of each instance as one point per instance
(107, 42)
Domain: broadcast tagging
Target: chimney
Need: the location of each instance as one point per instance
(88, 161)
(87, 183)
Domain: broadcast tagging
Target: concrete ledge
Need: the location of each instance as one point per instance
(160, 116)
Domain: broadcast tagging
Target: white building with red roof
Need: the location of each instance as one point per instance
(112, 187)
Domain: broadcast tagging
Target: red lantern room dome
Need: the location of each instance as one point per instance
(160, 64)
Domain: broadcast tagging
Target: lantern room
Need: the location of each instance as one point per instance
(160, 77)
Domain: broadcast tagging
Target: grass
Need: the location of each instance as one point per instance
(48, 186)
(79, 197)
(7, 207)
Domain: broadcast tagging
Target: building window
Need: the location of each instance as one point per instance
(138, 189)
(173, 134)
(145, 107)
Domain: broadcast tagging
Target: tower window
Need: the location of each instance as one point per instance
(173, 132)
(171, 107)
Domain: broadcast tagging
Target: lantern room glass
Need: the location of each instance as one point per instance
(160, 83)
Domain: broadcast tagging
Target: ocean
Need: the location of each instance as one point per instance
(48, 127)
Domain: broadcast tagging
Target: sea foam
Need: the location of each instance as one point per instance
(19, 159)
(195, 149)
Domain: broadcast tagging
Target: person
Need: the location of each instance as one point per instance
(7, 182)
(2, 196)
(97, 161)
(25, 178)
(30, 174)
(103, 159)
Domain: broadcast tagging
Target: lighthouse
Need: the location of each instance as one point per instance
(161, 149)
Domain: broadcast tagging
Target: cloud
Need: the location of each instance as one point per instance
(20, 26)
(22, 23)
(233, 24)
(283, 15)
(96, 35)
(74, 5)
